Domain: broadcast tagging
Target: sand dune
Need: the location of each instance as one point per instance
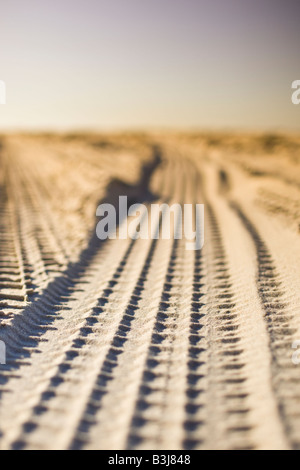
(141, 344)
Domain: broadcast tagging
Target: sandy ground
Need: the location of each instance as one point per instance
(142, 344)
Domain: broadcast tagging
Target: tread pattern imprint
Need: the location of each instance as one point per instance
(141, 344)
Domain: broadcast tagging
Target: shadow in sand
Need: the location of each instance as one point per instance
(24, 334)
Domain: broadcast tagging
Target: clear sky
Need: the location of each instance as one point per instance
(149, 63)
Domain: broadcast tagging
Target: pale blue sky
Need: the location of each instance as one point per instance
(157, 63)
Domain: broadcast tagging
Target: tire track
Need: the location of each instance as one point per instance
(15, 282)
(278, 321)
(83, 335)
(94, 428)
(139, 344)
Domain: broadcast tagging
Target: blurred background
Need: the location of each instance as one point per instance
(114, 64)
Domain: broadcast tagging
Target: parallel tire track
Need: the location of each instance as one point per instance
(138, 344)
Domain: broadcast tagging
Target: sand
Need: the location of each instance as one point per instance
(141, 344)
